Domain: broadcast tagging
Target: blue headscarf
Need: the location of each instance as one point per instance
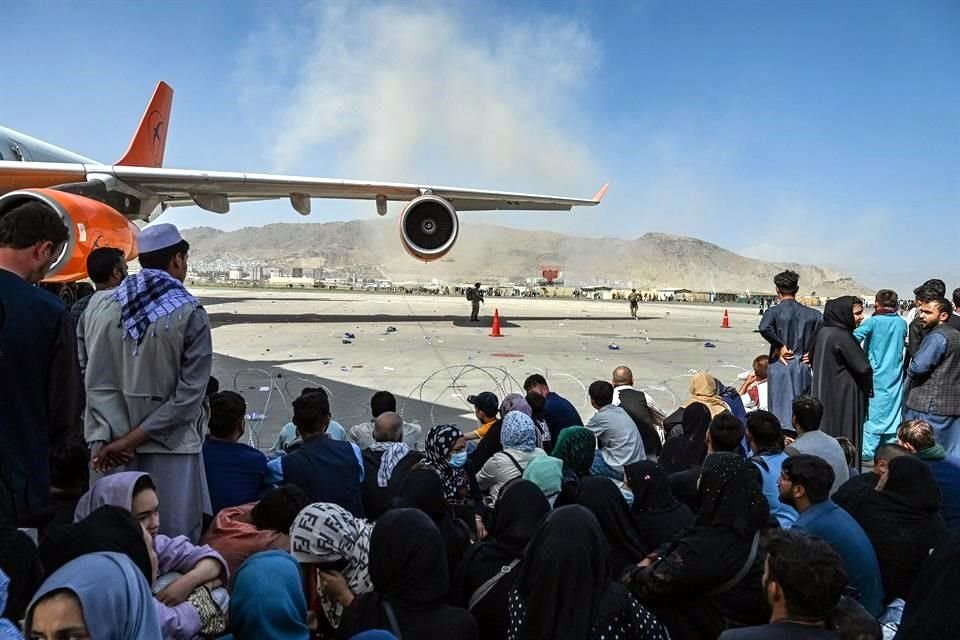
(518, 432)
(8, 630)
(113, 594)
(267, 599)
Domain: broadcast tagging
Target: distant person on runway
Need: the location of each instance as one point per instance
(475, 296)
(634, 299)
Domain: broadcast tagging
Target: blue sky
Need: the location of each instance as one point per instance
(814, 131)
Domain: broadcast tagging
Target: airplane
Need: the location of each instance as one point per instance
(101, 204)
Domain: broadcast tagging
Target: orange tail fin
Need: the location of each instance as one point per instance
(150, 140)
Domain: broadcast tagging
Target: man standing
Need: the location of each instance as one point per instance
(617, 435)
(935, 376)
(40, 401)
(883, 335)
(107, 267)
(475, 296)
(929, 291)
(805, 485)
(558, 412)
(634, 299)
(788, 327)
(146, 352)
(641, 408)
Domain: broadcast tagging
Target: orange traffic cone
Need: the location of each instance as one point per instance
(495, 332)
(726, 320)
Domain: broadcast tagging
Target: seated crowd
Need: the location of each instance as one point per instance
(530, 526)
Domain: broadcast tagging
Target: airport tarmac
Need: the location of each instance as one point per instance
(270, 344)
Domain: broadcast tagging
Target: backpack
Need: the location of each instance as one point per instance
(471, 294)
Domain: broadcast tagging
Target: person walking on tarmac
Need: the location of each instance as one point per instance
(475, 296)
(634, 299)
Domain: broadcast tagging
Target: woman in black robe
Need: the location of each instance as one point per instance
(520, 508)
(410, 584)
(658, 514)
(902, 519)
(708, 577)
(842, 376)
(685, 451)
(565, 591)
(19, 560)
(931, 608)
(604, 499)
(422, 489)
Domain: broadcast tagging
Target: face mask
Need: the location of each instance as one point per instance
(627, 495)
(458, 459)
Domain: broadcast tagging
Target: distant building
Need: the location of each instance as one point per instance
(290, 281)
(297, 272)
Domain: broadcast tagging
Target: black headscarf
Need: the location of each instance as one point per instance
(407, 564)
(731, 495)
(839, 312)
(903, 522)
(520, 509)
(604, 499)
(564, 576)
(108, 528)
(687, 451)
(650, 486)
(658, 514)
(931, 609)
(423, 489)
(19, 560)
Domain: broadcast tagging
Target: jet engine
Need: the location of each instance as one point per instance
(91, 224)
(428, 227)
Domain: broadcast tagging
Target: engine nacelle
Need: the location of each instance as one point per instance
(428, 227)
(91, 224)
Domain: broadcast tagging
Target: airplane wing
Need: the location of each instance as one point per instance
(183, 187)
(215, 190)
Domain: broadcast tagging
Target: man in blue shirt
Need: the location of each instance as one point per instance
(558, 412)
(805, 482)
(766, 441)
(327, 470)
(236, 472)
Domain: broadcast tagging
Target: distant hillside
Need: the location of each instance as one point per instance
(493, 253)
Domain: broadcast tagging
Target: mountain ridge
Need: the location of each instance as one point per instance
(371, 248)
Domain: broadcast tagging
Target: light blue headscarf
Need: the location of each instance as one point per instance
(8, 630)
(518, 432)
(114, 596)
(267, 599)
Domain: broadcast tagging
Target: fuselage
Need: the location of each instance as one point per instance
(18, 146)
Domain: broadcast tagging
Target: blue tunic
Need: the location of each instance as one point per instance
(789, 324)
(883, 338)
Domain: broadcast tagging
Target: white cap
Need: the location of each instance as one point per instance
(158, 236)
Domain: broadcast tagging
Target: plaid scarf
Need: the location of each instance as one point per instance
(393, 453)
(148, 296)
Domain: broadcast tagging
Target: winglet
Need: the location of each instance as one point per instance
(150, 140)
(603, 190)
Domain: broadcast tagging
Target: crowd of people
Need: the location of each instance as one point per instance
(130, 508)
